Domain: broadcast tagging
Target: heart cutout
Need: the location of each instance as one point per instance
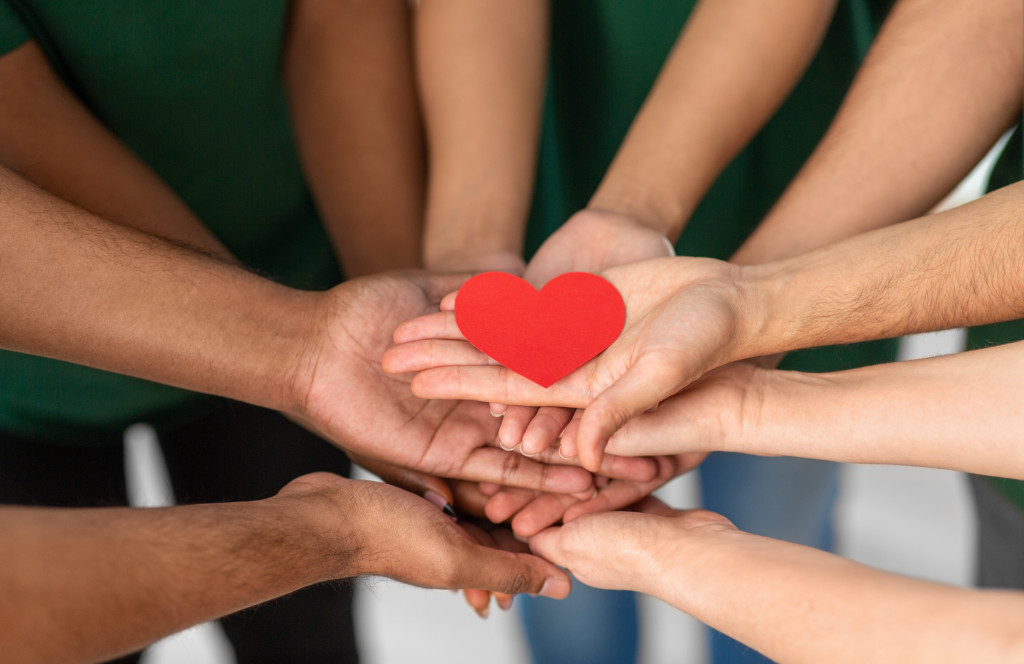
(541, 335)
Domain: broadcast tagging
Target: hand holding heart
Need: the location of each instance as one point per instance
(681, 321)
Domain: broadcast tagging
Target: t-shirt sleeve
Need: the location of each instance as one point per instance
(13, 31)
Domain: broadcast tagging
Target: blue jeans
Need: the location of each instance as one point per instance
(785, 498)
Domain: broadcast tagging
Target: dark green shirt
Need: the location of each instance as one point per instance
(193, 87)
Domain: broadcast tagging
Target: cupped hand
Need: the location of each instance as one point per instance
(346, 396)
(627, 550)
(385, 531)
(589, 241)
(682, 320)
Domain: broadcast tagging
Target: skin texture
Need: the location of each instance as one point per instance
(934, 93)
(722, 81)
(790, 602)
(80, 584)
(954, 412)
(481, 69)
(347, 71)
(685, 316)
(124, 301)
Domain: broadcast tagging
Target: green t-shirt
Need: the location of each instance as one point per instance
(193, 87)
(605, 55)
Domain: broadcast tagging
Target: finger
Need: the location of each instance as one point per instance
(426, 354)
(479, 601)
(433, 489)
(513, 424)
(489, 464)
(489, 488)
(635, 469)
(643, 386)
(438, 325)
(469, 498)
(615, 496)
(548, 545)
(510, 573)
(545, 510)
(448, 302)
(505, 504)
(545, 428)
(493, 383)
(497, 409)
(567, 444)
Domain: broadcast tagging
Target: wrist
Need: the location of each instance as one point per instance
(664, 214)
(315, 521)
(760, 321)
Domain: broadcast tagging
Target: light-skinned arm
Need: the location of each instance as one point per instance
(85, 585)
(793, 603)
(685, 316)
(940, 84)
(348, 72)
(956, 412)
(481, 69)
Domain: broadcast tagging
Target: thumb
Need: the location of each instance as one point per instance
(640, 389)
(514, 573)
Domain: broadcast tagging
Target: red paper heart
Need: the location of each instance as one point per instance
(542, 335)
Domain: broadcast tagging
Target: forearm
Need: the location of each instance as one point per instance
(85, 290)
(940, 85)
(726, 75)
(348, 73)
(481, 70)
(797, 604)
(51, 138)
(958, 412)
(89, 584)
(960, 267)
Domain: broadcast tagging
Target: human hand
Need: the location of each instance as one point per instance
(342, 393)
(589, 241)
(530, 512)
(419, 545)
(629, 550)
(684, 317)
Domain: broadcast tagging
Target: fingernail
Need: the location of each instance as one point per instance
(562, 455)
(501, 444)
(484, 612)
(439, 501)
(525, 453)
(493, 414)
(554, 588)
(505, 603)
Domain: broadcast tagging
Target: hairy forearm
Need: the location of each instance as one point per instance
(728, 72)
(481, 70)
(957, 412)
(50, 137)
(85, 290)
(348, 72)
(797, 604)
(89, 584)
(960, 267)
(940, 85)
